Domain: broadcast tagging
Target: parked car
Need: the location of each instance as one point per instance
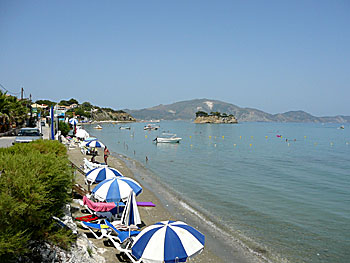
(28, 135)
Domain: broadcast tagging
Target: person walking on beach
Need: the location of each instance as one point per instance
(106, 154)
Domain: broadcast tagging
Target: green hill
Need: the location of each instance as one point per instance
(186, 110)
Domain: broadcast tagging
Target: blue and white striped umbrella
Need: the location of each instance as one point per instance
(73, 121)
(116, 189)
(90, 139)
(101, 173)
(131, 215)
(167, 241)
(95, 144)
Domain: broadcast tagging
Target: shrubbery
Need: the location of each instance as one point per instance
(64, 128)
(35, 180)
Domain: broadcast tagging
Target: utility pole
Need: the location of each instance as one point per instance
(22, 90)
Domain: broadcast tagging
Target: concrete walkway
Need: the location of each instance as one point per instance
(7, 141)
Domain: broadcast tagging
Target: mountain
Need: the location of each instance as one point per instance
(186, 110)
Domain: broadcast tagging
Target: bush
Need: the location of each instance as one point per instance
(35, 181)
(64, 128)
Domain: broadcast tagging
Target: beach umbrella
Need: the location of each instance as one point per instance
(131, 215)
(116, 189)
(101, 173)
(81, 133)
(90, 139)
(73, 121)
(95, 144)
(167, 241)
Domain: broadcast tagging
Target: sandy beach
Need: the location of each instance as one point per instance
(149, 215)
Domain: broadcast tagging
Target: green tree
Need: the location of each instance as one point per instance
(73, 101)
(215, 113)
(46, 102)
(201, 114)
(64, 128)
(15, 109)
(87, 106)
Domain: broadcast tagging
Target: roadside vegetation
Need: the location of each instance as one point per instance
(13, 112)
(35, 181)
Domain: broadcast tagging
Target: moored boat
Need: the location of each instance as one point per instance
(168, 138)
(151, 127)
(99, 127)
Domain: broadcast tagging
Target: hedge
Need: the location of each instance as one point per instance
(35, 181)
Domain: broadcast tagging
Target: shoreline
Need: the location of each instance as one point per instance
(149, 215)
(230, 245)
(218, 241)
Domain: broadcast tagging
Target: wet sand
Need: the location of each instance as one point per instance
(149, 215)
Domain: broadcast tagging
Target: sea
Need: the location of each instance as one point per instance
(282, 190)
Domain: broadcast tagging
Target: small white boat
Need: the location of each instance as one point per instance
(151, 127)
(168, 138)
(99, 127)
(124, 128)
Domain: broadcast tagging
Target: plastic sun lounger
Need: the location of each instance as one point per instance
(102, 228)
(107, 230)
(121, 235)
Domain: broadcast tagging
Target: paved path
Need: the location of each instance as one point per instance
(6, 141)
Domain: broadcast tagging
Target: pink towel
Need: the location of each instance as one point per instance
(98, 207)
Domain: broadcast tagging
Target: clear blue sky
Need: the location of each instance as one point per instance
(272, 55)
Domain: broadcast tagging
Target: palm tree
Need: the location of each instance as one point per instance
(12, 110)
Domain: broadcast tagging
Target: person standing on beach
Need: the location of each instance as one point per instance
(106, 154)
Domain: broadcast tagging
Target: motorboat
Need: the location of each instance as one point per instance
(124, 128)
(341, 127)
(151, 127)
(168, 138)
(98, 127)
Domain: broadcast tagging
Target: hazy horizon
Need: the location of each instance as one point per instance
(273, 56)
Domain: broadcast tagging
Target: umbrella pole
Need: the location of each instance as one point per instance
(89, 188)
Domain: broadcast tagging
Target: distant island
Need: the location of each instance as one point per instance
(186, 110)
(214, 117)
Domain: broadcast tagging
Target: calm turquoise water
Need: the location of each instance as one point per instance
(290, 198)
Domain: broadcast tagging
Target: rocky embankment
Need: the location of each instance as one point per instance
(103, 115)
(215, 119)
